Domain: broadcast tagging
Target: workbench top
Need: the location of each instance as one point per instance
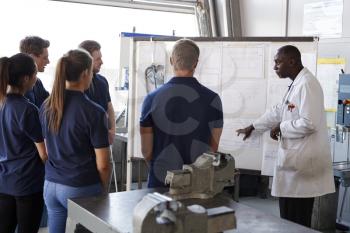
(113, 213)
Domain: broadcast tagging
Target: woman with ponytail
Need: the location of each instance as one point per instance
(22, 148)
(76, 134)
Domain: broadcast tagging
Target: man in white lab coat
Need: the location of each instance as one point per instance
(303, 168)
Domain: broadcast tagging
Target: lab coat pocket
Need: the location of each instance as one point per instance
(291, 112)
(291, 154)
(287, 159)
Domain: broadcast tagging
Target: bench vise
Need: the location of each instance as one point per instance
(161, 214)
(205, 178)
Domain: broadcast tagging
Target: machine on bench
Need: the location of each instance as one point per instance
(161, 214)
(205, 178)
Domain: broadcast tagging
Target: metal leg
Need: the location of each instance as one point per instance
(236, 188)
(342, 205)
(140, 175)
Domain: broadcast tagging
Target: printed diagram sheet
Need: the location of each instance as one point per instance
(270, 148)
(230, 142)
(328, 70)
(248, 153)
(276, 91)
(242, 62)
(208, 70)
(244, 99)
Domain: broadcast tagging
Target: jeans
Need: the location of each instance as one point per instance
(56, 195)
(21, 211)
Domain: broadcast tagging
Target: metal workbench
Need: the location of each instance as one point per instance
(113, 213)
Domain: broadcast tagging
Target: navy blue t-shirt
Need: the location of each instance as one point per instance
(99, 91)
(71, 155)
(21, 169)
(182, 113)
(38, 94)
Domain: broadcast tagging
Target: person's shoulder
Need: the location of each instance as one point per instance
(309, 77)
(154, 96)
(22, 102)
(208, 91)
(92, 106)
(27, 107)
(101, 78)
(38, 82)
(159, 90)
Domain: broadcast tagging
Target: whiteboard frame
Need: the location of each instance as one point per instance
(132, 101)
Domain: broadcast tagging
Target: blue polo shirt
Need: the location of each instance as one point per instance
(182, 113)
(99, 91)
(37, 95)
(21, 169)
(71, 155)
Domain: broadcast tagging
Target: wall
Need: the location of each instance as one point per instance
(263, 18)
(338, 47)
(268, 18)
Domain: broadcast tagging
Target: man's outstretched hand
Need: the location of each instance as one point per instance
(246, 131)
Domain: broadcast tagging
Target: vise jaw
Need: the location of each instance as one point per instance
(160, 214)
(205, 178)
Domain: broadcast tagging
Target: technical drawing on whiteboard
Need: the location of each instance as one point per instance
(241, 72)
(230, 142)
(208, 71)
(243, 61)
(276, 91)
(244, 99)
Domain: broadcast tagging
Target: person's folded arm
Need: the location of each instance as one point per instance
(215, 139)
(111, 123)
(40, 146)
(146, 142)
(103, 165)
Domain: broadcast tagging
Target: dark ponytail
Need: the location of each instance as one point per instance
(13, 70)
(4, 78)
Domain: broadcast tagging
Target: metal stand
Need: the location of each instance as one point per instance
(342, 205)
(236, 189)
(342, 171)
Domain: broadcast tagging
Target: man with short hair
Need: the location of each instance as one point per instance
(99, 88)
(180, 120)
(303, 168)
(37, 48)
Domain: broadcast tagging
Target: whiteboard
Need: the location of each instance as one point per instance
(241, 72)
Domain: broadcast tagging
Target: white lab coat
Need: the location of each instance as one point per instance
(303, 167)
